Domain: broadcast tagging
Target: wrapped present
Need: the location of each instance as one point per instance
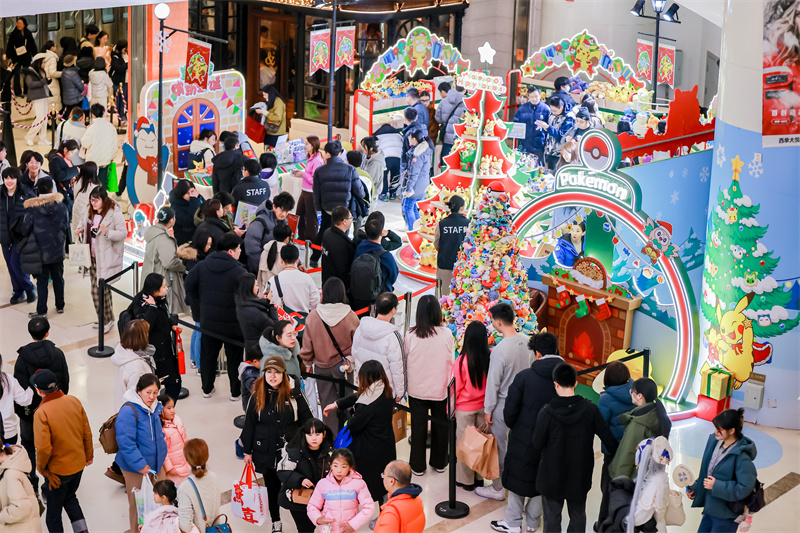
(708, 408)
(716, 383)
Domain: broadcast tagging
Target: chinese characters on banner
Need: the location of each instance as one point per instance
(665, 65)
(198, 63)
(345, 47)
(781, 90)
(319, 55)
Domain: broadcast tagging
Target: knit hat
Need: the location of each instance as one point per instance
(275, 363)
(165, 214)
(583, 113)
(69, 60)
(45, 381)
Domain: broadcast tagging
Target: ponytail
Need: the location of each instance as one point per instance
(271, 333)
(272, 255)
(648, 388)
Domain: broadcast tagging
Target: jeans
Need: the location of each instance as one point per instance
(26, 439)
(325, 223)
(517, 505)
(410, 212)
(711, 524)
(54, 271)
(194, 351)
(209, 355)
(446, 148)
(552, 514)
(419, 433)
(391, 178)
(20, 281)
(64, 498)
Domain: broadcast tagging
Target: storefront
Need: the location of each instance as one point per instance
(271, 37)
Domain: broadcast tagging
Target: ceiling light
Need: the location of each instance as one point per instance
(638, 8)
(659, 5)
(672, 13)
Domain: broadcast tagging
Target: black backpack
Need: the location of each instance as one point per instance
(366, 278)
(197, 159)
(124, 317)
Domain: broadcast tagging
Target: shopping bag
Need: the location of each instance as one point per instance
(144, 499)
(302, 496)
(113, 180)
(477, 449)
(248, 499)
(399, 425)
(675, 515)
(80, 255)
(254, 129)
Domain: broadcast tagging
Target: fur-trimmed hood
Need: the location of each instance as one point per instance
(187, 251)
(45, 199)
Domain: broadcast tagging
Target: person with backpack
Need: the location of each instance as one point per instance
(269, 265)
(161, 257)
(252, 189)
(202, 151)
(260, 231)
(338, 251)
(374, 270)
(448, 114)
(294, 288)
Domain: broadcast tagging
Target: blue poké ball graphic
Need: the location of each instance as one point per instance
(606, 226)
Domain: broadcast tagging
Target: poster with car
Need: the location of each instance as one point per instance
(781, 74)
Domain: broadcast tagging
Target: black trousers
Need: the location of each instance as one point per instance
(8, 135)
(168, 370)
(605, 479)
(303, 522)
(419, 433)
(26, 438)
(551, 510)
(64, 498)
(209, 356)
(273, 484)
(54, 271)
(325, 223)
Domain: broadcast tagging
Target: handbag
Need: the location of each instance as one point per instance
(477, 449)
(271, 128)
(752, 503)
(214, 527)
(287, 313)
(675, 515)
(249, 500)
(302, 496)
(80, 254)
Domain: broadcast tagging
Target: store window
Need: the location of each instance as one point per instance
(195, 116)
(107, 16)
(88, 17)
(53, 22)
(69, 20)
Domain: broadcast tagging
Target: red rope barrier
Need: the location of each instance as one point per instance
(303, 243)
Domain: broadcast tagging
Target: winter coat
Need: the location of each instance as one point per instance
(14, 394)
(140, 437)
(71, 86)
(62, 436)
(406, 151)
(50, 67)
(335, 183)
(559, 127)
(531, 390)
(266, 432)
(110, 248)
(528, 114)
(613, 402)
(19, 507)
(390, 242)
(101, 85)
(277, 115)
(11, 214)
(390, 141)
(422, 114)
(389, 270)
(338, 252)
(468, 397)
(62, 172)
(184, 227)
(403, 513)
(175, 435)
(432, 361)
(735, 476)
(35, 356)
(164, 519)
(289, 355)
(216, 227)
(260, 232)
(227, 170)
(375, 166)
(37, 84)
(313, 163)
(119, 69)
(419, 166)
(130, 367)
(265, 273)
(569, 101)
(640, 423)
(80, 209)
(448, 238)
(19, 38)
(212, 284)
(370, 426)
(190, 256)
(297, 465)
(251, 190)
(255, 315)
(562, 446)
(377, 340)
(158, 316)
(318, 348)
(85, 64)
(340, 502)
(161, 257)
(620, 496)
(450, 109)
(101, 142)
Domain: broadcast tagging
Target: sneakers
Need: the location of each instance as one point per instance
(383, 197)
(277, 527)
(236, 398)
(17, 298)
(532, 529)
(237, 447)
(491, 493)
(208, 394)
(29, 142)
(37, 315)
(60, 311)
(440, 470)
(418, 473)
(31, 296)
(110, 474)
(108, 327)
(500, 525)
(96, 325)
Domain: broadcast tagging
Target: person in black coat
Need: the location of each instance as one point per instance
(12, 198)
(390, 241)
(213, 223)
(6, 76)
(151, 305)
(254, 314)
(191, 253)
(370, 425)
(20, 50)
(251, 189)
(275, 414)
(563, 450)
(338, 251)
(531, 390)
(213, 283)
(228, 164)
(185, 199)
(304, 461)
(119, 76)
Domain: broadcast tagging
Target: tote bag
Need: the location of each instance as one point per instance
(249, 500)
(675, 515)
(80, 255)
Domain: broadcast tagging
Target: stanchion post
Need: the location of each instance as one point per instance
(452, 508)
(308, 248)
(101, 350)
(407, 313)
(135, 277)
(646, 363)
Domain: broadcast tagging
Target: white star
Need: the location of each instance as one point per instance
(487, 53)
(674, 197)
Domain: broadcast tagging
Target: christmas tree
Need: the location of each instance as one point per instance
(488, 269)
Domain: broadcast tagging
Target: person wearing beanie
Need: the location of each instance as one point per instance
(64, 448)
(71, 84)
(275, 413)
(161, 257)
(583, 123)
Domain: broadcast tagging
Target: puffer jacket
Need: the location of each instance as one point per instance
(130, 367)
(450, 109)
(432, 361)
(296, 465)
(47, 218)
(140, 437)
(528, 114)
(71, 86)
(62, 171)
(289, 355)
(175, 435)
(37, 84)
(405, 160)
(184, 216)
(11, 214)
(640, 423)
(161, 257)
(255, 315)
(19, 508)
(340, 502)
(403, 513)
(216, 278)
(613, 402)
(80, 209)
(163, 519)
(110, 248)
(100, 83)
(559, 126)
(335, 183)
(419, 165)
(50, 67)
(32, 357)
(259, 233)
(313, 163)
(375, 166)
(390, 141)
(380, 341)
(227, 170)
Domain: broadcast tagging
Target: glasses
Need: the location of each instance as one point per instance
(384, 476)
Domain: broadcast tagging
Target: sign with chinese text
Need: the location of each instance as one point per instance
(780, 75)
(198, 63)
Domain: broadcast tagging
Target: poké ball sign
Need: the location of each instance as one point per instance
(474, 80)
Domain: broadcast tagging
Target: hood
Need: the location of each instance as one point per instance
(228, 159)
(412, 490)
(264, 209)
(41, 354)
(386, 129)
(332, 314)
(747, 447)
(378, 156)
(621, 393)
(154, 231)
(123, 356)
(221, 263)
(18, 461)
(131, 396)
(420, 149)
(453, 97)
(47, 201)
(40, 55)
(186, 251)
(544, 367)
(569, 410)
(162, 518)
(373, 329)
(198, 146)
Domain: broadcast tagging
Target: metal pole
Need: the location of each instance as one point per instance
(101, 350)
(407, 316)
(654, 60)
(451, 508)
(308, 248)
(160, 105)
(332, 71)
(646, 363)
(135, 277)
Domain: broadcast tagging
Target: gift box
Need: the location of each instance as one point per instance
(708, 408)
(716, 383)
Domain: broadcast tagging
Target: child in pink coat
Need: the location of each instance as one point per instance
(175, 464)
(336, 498)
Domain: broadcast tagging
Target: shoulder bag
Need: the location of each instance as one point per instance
(214, 527)
(752, 503)
(287, 313)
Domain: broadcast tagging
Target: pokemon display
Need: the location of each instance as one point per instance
(142, 159)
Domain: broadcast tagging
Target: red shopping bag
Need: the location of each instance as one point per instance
(254, 129)
(248, 499)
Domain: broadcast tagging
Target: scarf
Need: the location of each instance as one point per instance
(372, 393)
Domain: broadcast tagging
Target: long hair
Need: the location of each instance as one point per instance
(370, 372)
(108, 204)
(272, 94)
(318, 426)
(244, 291)
(476, 351)
(784, 35)
(429, 317)
(284, 393)
(648, 388)
(199, 241)
(271, 333)
(334, 291)
(730, 419)
(422, 135)
(152, 283)
(196, 453)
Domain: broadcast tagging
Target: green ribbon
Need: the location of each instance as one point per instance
(712, 371)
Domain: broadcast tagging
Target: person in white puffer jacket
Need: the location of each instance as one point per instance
(50, 66)
(378, 339)
(133, 357)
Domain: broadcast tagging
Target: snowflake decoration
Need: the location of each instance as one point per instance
(721, 156)
(704, 174)
(659, 215)
(674, 197)
(671, 174)
(685, 172)
(162, 41)
(755, 168)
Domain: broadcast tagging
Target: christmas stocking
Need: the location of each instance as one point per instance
(603, 311)
(563, 297)
(583, 307)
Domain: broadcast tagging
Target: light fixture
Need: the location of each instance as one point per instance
(672, 13)
(659, 5)
(638, 8)
(161, 11)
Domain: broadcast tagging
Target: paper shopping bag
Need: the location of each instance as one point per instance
(80, 255)
(113, 179)
(254, 129)
(399, 419)
(477, 449)
(248, 499)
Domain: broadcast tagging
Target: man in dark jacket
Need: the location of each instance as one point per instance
(335, 183)
(12, 212)
(531, 390)
(413, 100)
(338, 251)
(37, 355)
(262, 228)
(47, 218)
(562, 447)
(562, 91)
(227, 171)
(372, 245)
(213, 284)
(71, 84)
(528, 113)
(252, 189)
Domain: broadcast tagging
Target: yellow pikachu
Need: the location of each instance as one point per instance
(735, 341)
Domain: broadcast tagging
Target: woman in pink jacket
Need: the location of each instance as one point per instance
(470, 372)
(336, 498)
(307, 224)
(175, 464)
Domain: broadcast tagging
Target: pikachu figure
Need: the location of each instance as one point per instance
(735, 347)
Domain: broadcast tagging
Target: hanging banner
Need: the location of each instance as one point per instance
(345, 47)
(781, 90)
(319, 57)
(198, 62)
(666, 64)
(644, 59)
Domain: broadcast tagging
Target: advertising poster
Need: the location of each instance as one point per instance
(644, 59)
(666, 64)
(781, 73)
(345, 47)
(319, 57)
(198, 63)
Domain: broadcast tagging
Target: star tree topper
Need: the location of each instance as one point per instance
(487, 53)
